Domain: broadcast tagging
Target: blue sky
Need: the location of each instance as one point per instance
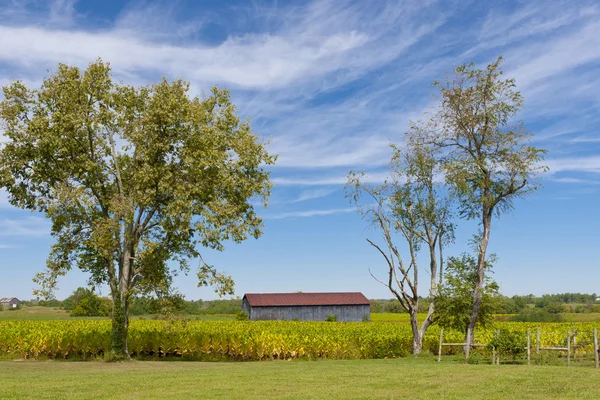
(329, 84)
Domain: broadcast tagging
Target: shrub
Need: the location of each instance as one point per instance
(536, 315)
(595, 308)
(331, 318)
(555, 308)
(509, 343)
(241, 316)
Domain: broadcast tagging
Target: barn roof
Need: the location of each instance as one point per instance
(8, 299)
(306, 299)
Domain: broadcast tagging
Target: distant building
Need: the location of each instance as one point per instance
(346, 307)
(10, 302)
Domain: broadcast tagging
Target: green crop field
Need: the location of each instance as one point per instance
(420, 378)
(254, 340)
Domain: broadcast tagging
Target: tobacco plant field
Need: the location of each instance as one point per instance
(251, 340)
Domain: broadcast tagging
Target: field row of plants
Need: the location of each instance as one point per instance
(243, 340)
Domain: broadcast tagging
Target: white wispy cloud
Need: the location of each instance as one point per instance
(584, 140)
(312, 194)
(337, 180)
(580, 164)
(30, 226)
(62, 12)
(575, 180)
(309, 213)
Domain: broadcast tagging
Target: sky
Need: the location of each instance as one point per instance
(330, 84)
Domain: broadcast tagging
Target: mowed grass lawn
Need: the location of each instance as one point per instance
(358, 379)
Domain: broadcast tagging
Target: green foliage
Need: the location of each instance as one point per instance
(509, 343)
(537, 315)
(241, 316)
(564, 298)
(85, 303)
(455, 300)
(595, 308)
(490, 162)
(331, 318)
(133, 179)
(513, 305)
(223, 306)
(394, 306)
(555, 308)
(50, 303)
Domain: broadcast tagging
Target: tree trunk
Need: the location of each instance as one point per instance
(120, 326)
(478, 294)
(120, 320)
(417, 334)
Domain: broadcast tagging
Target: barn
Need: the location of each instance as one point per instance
(346, 306)
(10, 302)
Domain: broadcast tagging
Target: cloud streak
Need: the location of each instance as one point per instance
(309, 213)
(312, 194)
(30, 226)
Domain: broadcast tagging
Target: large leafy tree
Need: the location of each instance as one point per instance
(412, 211)
(488, 161)
(133, 179)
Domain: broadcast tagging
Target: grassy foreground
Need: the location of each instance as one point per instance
(357, 379)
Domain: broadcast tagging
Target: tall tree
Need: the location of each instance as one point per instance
(488, 161)
(412, 204)
(132, 178)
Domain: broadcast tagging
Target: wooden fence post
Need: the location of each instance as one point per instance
(596, 347)
(497, 333)
(569, 347)
(537, 341)
(575, 345)
(468, 347)
(440, 348)
(528, 346)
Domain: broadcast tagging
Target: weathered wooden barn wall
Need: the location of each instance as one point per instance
(343, 313)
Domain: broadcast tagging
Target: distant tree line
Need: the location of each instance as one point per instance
(84, 302)
(552, 303)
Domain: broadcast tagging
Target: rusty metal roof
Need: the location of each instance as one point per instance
(8, 299)
(306, 299)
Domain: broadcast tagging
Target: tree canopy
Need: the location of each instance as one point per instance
(133, 179)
